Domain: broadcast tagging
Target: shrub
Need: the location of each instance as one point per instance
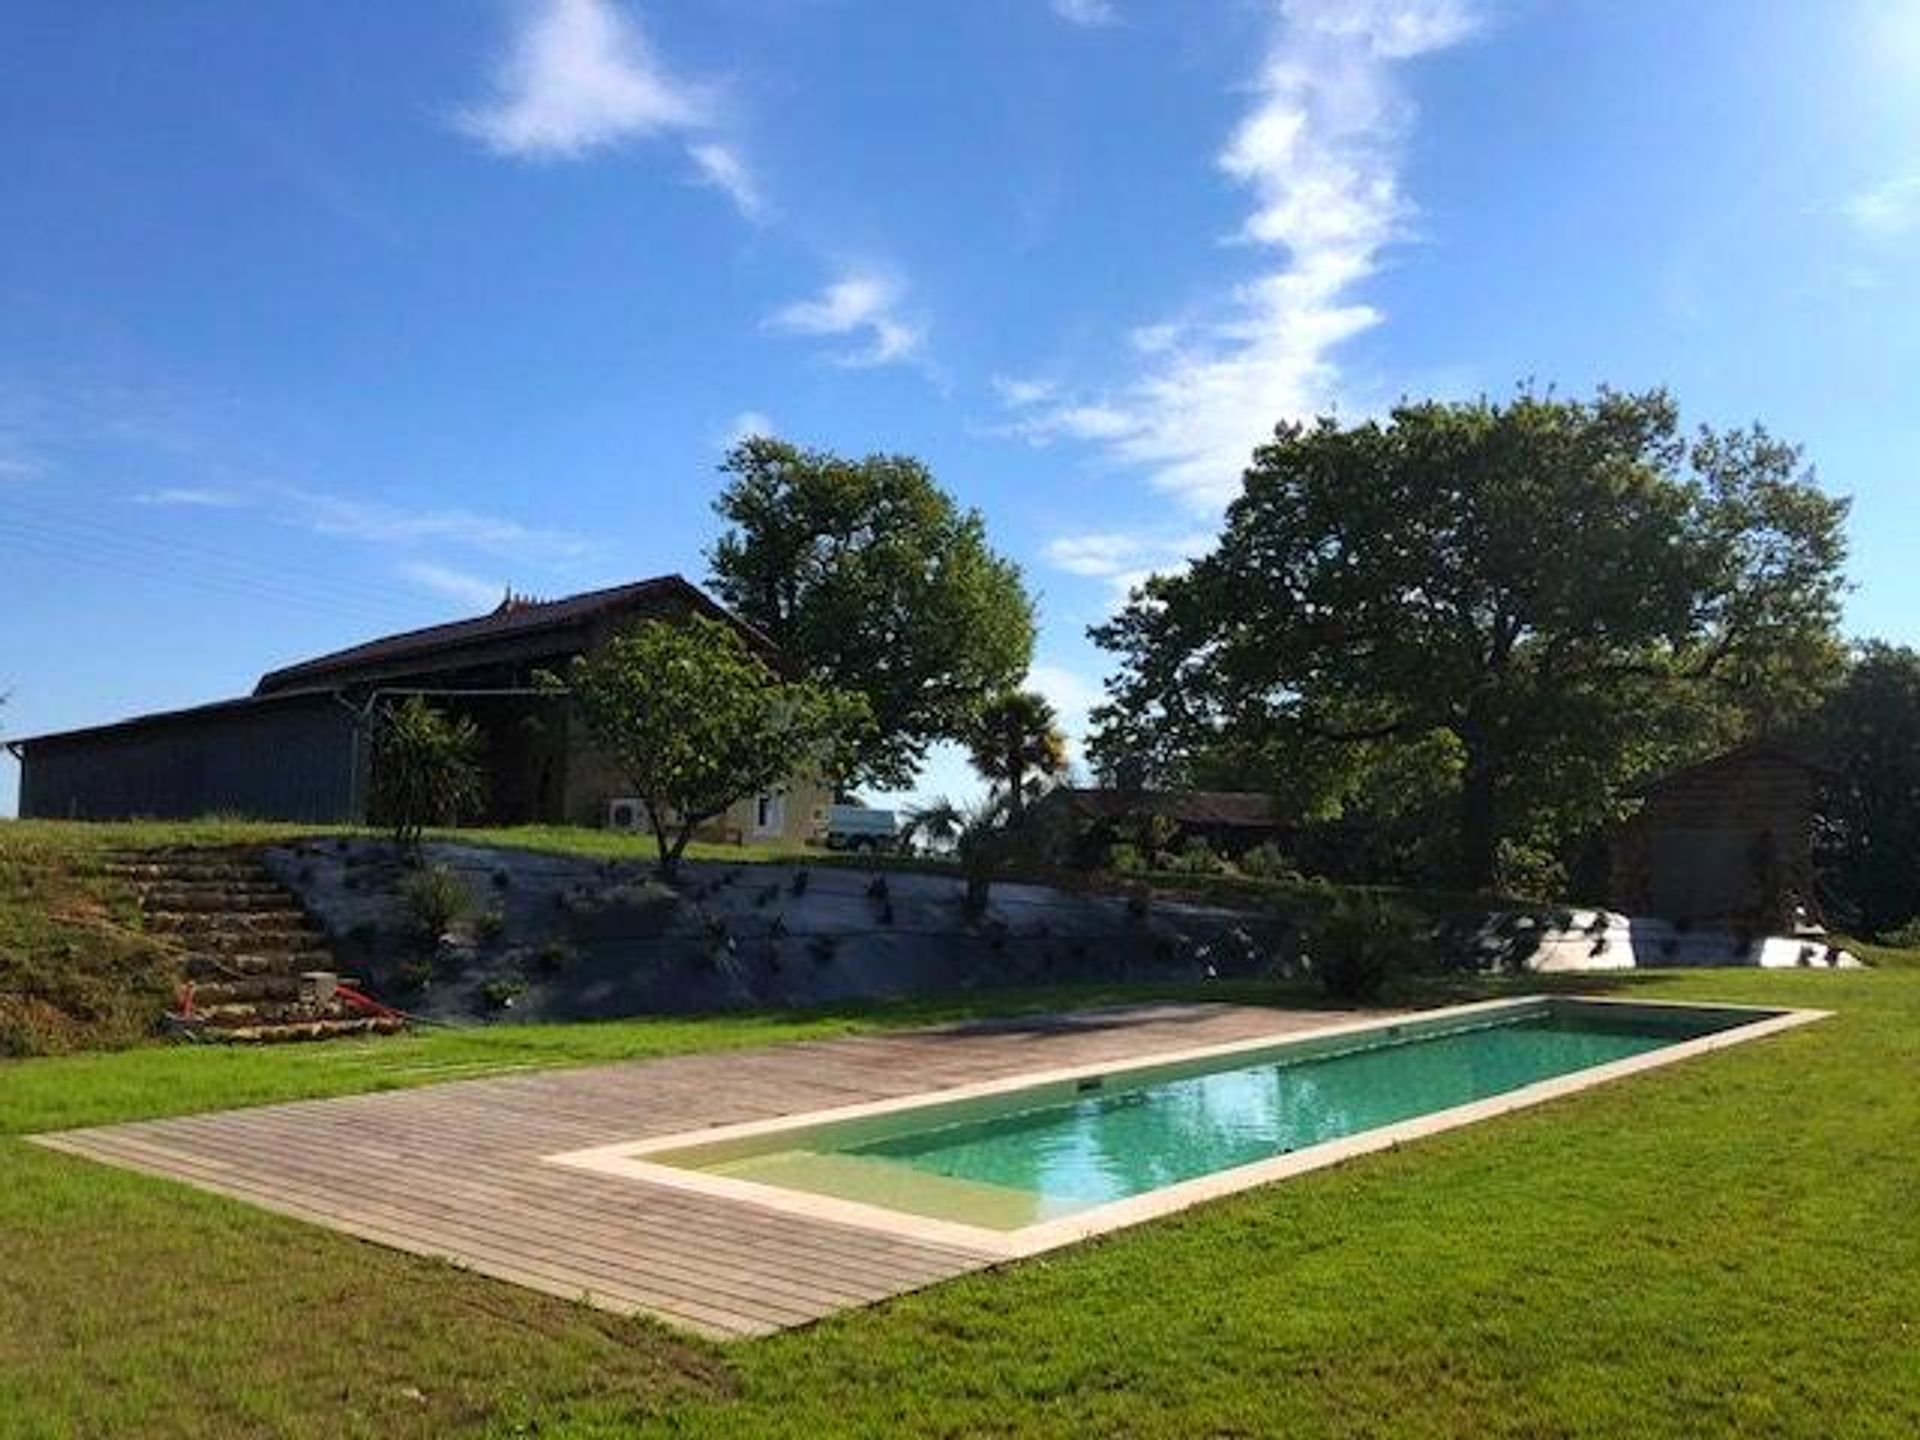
(1359, 943)
(426, 769)
(1530, 871)
(1267, 861)
(1197, 858)
(434, 898)
(1903, 937)
(489, 926)
(551, 958)
(1125, 859)
(500, 994)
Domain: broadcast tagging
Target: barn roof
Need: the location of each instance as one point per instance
(514, 618)
(1728, 762)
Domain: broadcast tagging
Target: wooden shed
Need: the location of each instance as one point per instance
(1728, 841)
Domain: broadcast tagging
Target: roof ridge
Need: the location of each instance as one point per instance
(504, 619)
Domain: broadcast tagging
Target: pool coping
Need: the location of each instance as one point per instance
(631, 1159)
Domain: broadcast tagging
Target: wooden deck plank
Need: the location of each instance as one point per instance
(458, 1170)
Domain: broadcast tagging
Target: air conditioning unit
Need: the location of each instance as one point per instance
(627, 814)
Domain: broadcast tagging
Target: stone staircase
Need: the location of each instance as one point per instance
(243, 945)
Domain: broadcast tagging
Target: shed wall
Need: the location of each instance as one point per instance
(291, 761)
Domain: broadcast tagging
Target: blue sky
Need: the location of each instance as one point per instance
(320, 321)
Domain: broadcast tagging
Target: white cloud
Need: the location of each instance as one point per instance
(185, 496)
(1123, 559)
(1085, 12)
(1319, 152)
(1019, 393)
(859, 304)
(581, 75)
(748, 424)
(1072, 695)
(383, 524)
(1888, 210)
(455, 585)
(720, 166)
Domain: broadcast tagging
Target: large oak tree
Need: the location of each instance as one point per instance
(868, 574)
(1538, 599)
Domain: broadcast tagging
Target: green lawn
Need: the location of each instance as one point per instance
(1726, 1246)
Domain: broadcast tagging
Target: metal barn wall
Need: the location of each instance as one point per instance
(286, 760)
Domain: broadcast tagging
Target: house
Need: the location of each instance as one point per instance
(1725, 841)
(1231, 822)
(298, 747)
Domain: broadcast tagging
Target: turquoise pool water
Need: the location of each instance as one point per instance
(1034, 1161)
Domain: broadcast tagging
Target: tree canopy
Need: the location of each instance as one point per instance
(868, 574)
(1869, 844)
(696, 721)
(1513, 606)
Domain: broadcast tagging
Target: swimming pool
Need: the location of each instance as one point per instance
(1017, 1166)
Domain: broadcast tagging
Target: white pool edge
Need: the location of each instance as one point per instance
(631, 1159)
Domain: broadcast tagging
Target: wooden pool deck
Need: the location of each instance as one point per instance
(458, 1170)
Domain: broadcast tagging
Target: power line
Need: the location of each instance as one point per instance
(334, 579)
(117, 560)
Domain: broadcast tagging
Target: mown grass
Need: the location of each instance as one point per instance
(1728, 1246)
(1724, 1247)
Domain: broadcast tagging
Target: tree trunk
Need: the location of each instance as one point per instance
(669, 854)
(1479, 825)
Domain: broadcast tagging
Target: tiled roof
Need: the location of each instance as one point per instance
(515, 617)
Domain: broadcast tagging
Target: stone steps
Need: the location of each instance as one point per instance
(287, 1032)
(243, 942)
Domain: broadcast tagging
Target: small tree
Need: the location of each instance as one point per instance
(696, 722)
(426, 769)
(1017, 735)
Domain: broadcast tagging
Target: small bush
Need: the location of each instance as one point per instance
(1197, 858)
(500, 994)
(1125, 859)
(434, 898)
(1903, 937)
(1358, 944)
(426, 769)
(1267, 861)
(489, 926)
(551, 958)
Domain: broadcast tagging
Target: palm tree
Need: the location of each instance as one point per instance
(1014, 736)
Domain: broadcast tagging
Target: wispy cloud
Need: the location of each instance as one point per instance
(1086, 12)
(1018, 392)
(860, 305)
(1887, 211)
(191, 497)
(1122, 559)
(581, 76)
(455, 585)
(382, 524)
(1073, 696)
(721, 168)
(1319, 151)
(746, 425)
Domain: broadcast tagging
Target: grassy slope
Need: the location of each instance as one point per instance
(1724, 1247)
